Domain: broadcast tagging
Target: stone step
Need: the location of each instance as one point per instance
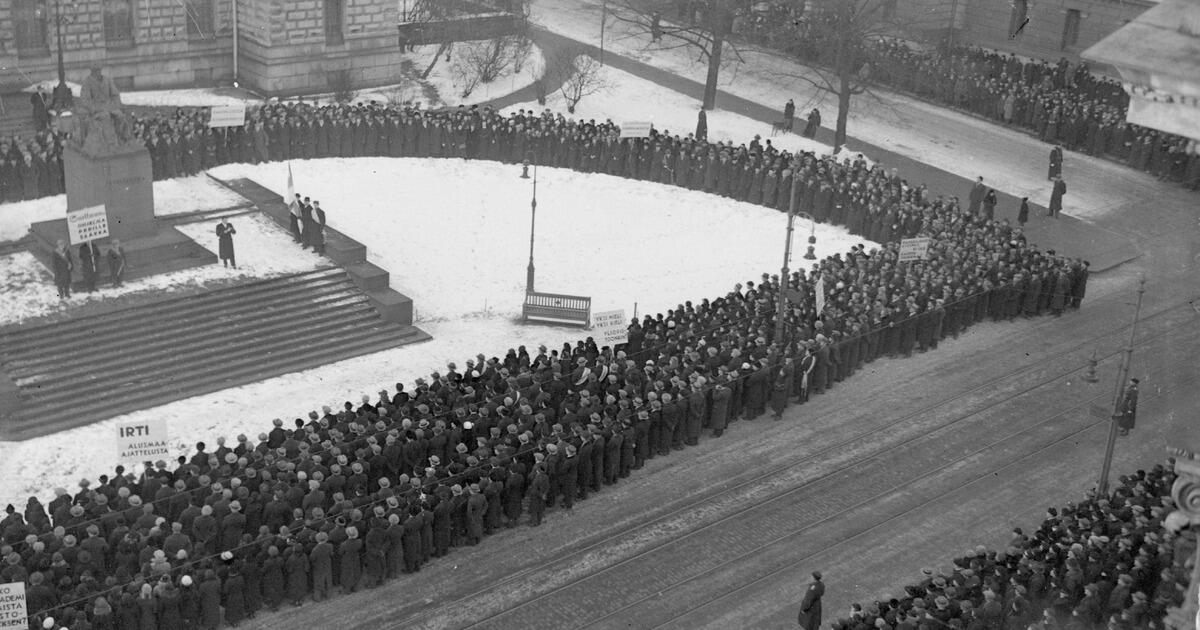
(229, 374)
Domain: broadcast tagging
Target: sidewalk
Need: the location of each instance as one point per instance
(1103, 248)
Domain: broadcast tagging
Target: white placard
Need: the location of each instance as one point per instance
(610, 328)
(227, 116)
(914, 249)
(636, 129)
(142, 441)
(87, 224)
(14, 610)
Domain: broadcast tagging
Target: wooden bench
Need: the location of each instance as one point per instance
(554, 308)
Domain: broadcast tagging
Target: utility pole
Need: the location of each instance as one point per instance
(603, 23)
(1122, 376)
(235, 42)
(63, 98)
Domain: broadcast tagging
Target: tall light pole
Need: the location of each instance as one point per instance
(62, 94)
(784, 274)
(1122, 376)
(532, 218)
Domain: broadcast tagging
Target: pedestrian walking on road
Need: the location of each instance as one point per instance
(810, 607)
(789, 115)
(976, 196)
(1056, 162)
(1023, 212)
(1056, 197)
(989, 204)
(225, 234)
(701, 126)
(814, 123)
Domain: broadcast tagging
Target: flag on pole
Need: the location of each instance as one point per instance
(291, 189)
(820, 294)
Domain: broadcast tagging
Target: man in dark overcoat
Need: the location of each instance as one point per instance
(810, 606)
(978, 190)
(63, 265)
(89, 262)
(1056, 162)
(225, 234)
(1128, 418)
(1056, 197)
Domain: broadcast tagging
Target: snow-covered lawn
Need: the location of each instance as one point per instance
(445, 81)
(1009, 160)
(454, 234)
(629, 98)
(192, 97)
(183, 195)
(263, 250)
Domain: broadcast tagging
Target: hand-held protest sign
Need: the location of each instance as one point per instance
(142, 441)
(227, 116)
(14, 609)
(914, 249)
(87, 224)
(636, 129)
(610, 328)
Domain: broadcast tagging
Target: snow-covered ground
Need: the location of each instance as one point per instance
(629, 98)
(193, 97)
(453, 234)
(957, 143)
(444, 85)
(263, 250)
(183, 195)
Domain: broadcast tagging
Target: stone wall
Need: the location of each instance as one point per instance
(986, 23)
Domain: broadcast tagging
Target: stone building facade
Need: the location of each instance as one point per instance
(284, 46)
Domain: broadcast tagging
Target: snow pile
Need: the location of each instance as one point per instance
(263, 250)
(629, 98)
(183, 195)
(454, 235)
(194, 97)
(197, 193)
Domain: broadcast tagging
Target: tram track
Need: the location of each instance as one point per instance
(1153, 331)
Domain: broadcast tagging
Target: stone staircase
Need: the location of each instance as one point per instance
(77, 372)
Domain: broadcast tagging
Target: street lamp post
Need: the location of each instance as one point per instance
(62, 94)
(1122, 376)
(785, 273)
(532, 220)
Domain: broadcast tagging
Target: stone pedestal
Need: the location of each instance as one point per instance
(121, 180)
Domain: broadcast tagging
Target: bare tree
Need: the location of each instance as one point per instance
(701, 25)
(485, 61)
(837, 41)
(581, 76)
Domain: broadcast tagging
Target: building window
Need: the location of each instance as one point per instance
(1020, 15)
(118, 23)
(199, 18)
(29, 22)
(1071, 28)
(334, 22)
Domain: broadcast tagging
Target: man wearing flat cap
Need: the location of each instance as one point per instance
(810, 607)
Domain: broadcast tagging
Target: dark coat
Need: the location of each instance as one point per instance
(225, 234)
(810, 607)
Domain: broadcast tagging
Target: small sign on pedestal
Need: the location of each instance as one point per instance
(87, 224)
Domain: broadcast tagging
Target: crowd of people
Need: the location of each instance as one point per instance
(1059, 103)
(349, 498)
(1105, 562)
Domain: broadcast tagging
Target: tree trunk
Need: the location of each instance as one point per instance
(714, 69)
(839, 132)
(444, 48)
